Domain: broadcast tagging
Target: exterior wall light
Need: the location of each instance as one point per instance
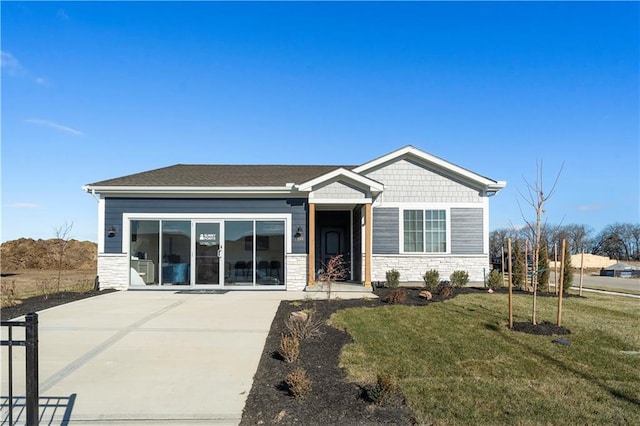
(111, 232)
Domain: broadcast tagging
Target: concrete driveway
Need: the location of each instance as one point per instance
(145, 357)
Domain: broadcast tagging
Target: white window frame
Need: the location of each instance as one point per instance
(219, 217)
(424, 208)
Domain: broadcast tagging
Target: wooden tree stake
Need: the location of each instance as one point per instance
(581, 270)
(510, 287)
(561, 289)
(555, 267)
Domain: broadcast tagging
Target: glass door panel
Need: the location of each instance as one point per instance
(176, 252)
(238, 252)
(207, 253)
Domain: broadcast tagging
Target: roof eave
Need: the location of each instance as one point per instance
(189, 190)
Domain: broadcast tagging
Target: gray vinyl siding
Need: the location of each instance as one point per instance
(115, 207)
(386, 230)
(467, 231)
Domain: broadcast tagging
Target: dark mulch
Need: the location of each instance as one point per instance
(544, 328)
(332, 399)
(38, 303)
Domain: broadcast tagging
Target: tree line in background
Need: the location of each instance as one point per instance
(619, 241)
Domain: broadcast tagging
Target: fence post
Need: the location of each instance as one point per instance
(31, 342)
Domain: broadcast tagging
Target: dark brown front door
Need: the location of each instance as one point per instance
(333, 241)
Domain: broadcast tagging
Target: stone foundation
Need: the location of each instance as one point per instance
(412, 268)
(296, 268)
(113, 271)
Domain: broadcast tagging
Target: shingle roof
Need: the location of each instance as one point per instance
(200, 175)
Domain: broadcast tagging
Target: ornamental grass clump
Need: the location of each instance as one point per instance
(289, 348)
(304, 325)
(445, 290)
(396, 296)
(298, 384)
(431, 280)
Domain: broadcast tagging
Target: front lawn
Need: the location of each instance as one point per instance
(457, 362)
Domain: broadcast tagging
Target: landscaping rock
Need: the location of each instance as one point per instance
(426, 295)
(299, 316)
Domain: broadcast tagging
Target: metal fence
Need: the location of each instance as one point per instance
(30, 343)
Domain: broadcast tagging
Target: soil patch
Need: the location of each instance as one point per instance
(545, 328)
(38, 303)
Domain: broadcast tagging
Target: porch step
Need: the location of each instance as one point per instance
(340, 288)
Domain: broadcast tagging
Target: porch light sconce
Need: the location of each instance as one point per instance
(111, 232)
(298, 234)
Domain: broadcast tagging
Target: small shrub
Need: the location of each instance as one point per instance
(386, 390)
(495, 280)
(445, 290)
(393, 278)
(431, 280)
(45, 286)
(9, 295)
(335, 269)
(396, 296)
(304, 326)
(298, 383)
(289, 348)
(426, 295)
(459, 279)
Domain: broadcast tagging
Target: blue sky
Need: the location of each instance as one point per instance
(92, 91)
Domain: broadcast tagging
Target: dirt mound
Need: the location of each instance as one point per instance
(27, 253)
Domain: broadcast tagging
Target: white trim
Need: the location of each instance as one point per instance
(424, 207)
(364, 182)
(101, 224)
(206, 190)
(127, 217)
(485, 223)
(220, 218)
(438, 163)
(339, 200)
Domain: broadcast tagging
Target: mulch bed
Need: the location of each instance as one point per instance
(38, 303)
(332, 400)
(544, 328)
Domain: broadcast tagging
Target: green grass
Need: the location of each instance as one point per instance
(458, 363)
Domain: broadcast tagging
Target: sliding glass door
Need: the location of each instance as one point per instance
(225, 252)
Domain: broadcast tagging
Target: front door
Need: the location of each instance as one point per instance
(333, 241)
(208, 253)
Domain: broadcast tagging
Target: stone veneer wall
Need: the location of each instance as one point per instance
(113, 271)
(296, 267)
(412, 268)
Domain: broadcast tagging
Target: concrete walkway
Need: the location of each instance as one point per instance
(148, 357)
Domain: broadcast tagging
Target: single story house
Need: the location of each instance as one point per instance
(275, 226)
